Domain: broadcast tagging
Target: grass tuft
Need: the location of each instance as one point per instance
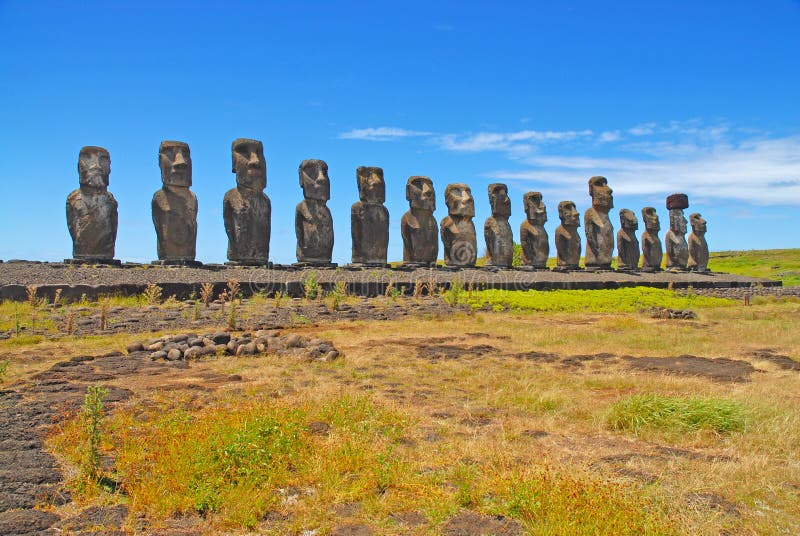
(654, 412)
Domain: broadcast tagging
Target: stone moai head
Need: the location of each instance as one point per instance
(94, 167)
(627, 219)
(175, 162)
(698, 223)
(677, 221)
(249, 164)
(535, 209)
(459, 201)
(420, 194)
(371, 186)
(499, 201)
(650, 217)
(602, 199)
(568, 214)
(314, 180)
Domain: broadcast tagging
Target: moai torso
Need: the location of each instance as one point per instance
(533, 237)
(175, 220)
(598, 228)
(246, 210)
(627, 244)
(698, 247)
(497, 231)
(457, 229)
(91, 209)
(313, 222)
(369, 219)
(418, 226)
(175, 206)
(92, 220)
(247, 216)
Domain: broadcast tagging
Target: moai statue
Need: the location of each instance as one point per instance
(627, 243)
(92, 210)
(675, 241)
(568, 242)
(532, 235)
(599, 231)
(246, 209)
(175, 207)
(312, 222)
(497, 231)
(458, 231)
(698, 247)
(369, 219)
(418, 226)
(652, 253)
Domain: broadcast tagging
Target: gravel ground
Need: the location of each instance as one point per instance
(182, 282)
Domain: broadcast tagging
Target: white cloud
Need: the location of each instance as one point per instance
(610, 136)
(380, 134)
(757, 171)
(518, 142)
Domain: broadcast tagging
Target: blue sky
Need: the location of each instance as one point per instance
(660, 97)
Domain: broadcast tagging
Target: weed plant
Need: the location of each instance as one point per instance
(3, 369)
(92, 415)
(311, 286)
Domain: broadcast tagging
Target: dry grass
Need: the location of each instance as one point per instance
(516, 437)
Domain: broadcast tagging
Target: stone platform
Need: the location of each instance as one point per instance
(130, 279)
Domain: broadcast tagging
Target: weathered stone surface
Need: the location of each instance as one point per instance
(599, 231)
(652, 252)
(418, 226)
(568, 242)
(496, 230)
(247, 211)
(675, 241)
(91, 209)
(627, 243)
(175, 206)
(457, 229)
(369, 219)
(532, 234)
(313, 223)
(698, 247)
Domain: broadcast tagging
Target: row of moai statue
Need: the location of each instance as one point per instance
(92, 220)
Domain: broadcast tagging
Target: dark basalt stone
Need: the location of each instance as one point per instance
(313, 222)
(532, 234)
(568, 242)
(457, 229)
(497, 231)
(627, 243)
(598, 228)
(418, 226)
(369, 219)
(175, 206)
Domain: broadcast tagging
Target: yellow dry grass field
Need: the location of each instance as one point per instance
(557, 422)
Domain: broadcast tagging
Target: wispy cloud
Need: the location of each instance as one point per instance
(764, 172)
(381, 134)
(518, 142)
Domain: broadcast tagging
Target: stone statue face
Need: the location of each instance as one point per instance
(627, 219)
(371, 186)
(698, 223)
(249, 164)
(176, 164)
(459, 201)
(677, 222)
(568, 214)
(314, 180)
(601, 194)
(420, 194)
(535, 209)
(650, 217)
(94, 167)
(499, 201)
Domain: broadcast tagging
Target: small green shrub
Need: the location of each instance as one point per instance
(311, 286)
(92, 415)
(3, 369)
(653, 412)
(456, 294)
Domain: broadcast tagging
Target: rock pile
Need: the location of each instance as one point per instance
(672, 314)
(190, 346)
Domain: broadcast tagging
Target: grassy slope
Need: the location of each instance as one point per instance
(782, 264)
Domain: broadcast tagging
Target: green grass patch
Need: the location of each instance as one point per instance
(599, 301)
(653, 412)
(781, 264)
